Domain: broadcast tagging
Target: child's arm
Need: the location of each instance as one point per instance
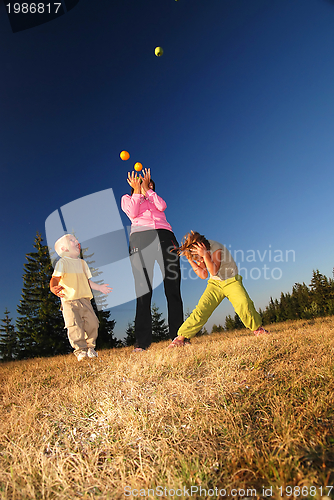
(211, 262)
(55, 287)
(105, 288)
(199, 268)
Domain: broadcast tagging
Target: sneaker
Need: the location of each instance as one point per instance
(81, 356)
(91, 353)
(261, 331)
(139, 349)
(177, 342)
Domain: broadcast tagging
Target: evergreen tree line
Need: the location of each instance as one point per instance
(304, 302)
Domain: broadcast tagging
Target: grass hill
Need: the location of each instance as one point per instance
(233, 415)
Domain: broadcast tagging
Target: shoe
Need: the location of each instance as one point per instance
(91, 353)
(177, 342)
(138, 349)
(81, 356)
(261, 331)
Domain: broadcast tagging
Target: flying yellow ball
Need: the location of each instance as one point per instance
(158, 51)
(138, 166)
(124, 155)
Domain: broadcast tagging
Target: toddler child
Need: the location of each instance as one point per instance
(71, 281)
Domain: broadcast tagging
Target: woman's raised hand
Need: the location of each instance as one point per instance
(146, 179)
(134, 181)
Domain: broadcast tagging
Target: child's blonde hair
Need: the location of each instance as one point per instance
(188, 241)
(61, 242)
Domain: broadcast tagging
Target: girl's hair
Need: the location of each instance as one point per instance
(189, 240)
(151, 180)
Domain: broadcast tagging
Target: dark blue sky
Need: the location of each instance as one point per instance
(235, 121)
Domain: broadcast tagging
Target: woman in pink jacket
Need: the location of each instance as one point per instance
(151, 239)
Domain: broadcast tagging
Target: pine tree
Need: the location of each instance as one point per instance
(321, 293)
(229, 323)
(269, 314)
(302, 300)
(217, 329)
(8, 339)
(286, 309)
(159, 328)
(331, 298)
(130, 338)
(40, 327)
(233, 323)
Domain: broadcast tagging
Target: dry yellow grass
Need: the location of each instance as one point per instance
(232, 412)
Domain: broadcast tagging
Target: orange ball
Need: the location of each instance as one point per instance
(138, 166)
(124, 155)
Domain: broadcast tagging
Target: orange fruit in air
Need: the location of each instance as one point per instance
(124, 155)
(138, 166)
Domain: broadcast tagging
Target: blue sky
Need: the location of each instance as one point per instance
(235, 121)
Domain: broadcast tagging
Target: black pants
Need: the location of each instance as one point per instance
(146, 247)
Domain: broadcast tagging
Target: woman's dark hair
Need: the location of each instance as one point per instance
(151, 180)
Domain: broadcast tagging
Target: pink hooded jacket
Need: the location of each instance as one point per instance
(145, 212)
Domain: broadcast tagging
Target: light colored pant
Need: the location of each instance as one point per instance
(81, 323)
(213, 295)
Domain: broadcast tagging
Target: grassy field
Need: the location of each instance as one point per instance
(232, 416)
